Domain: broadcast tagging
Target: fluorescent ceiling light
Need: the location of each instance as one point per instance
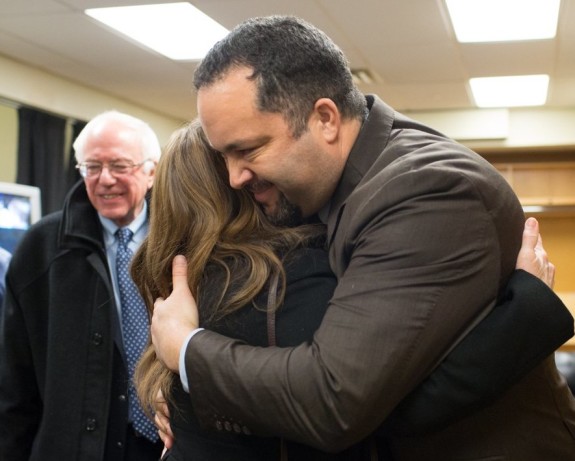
(524, 90)
(177, 30)
(503, 20)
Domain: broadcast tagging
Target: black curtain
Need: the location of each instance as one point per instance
(41, 159)
(72, 174)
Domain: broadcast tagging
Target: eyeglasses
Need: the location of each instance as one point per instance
(117, 168)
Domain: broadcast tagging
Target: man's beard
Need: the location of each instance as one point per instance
(286, 214)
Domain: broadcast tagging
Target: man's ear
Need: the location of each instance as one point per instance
(327, 118)
(148, 166)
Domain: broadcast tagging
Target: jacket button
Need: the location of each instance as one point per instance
(97, 339)
(90, 424)
(122, 398)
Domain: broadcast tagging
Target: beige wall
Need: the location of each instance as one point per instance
(8, 143)
(516, 127)
(21, 84)
(36, 88)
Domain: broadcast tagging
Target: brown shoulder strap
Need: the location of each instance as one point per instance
(271, 309)
(271, 323)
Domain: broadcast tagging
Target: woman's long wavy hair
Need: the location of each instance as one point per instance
(194, 212)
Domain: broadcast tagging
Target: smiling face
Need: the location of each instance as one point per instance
(121, 197)
(261, 152)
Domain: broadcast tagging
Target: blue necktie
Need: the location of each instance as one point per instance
(135, 330)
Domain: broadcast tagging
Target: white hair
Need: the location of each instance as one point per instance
(151, 149)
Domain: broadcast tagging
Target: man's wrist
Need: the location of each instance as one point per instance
(182, 359)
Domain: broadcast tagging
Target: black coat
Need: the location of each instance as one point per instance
(63, 379)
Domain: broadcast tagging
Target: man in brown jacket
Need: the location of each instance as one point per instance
(423, 236)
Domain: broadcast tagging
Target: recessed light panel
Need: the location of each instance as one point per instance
(523, 90)
(177, 30)
(503, 20)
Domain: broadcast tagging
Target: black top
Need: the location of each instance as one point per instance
(310, 284)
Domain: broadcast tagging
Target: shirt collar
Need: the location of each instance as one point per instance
(110, 227)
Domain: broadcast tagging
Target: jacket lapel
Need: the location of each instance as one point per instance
(367, 148)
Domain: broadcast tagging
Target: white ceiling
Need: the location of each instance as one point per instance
(408, 46)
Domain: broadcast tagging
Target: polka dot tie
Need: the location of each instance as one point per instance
(135, 330)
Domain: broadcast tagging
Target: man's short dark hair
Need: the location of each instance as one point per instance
(294, 65)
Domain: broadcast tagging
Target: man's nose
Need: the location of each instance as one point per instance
(106, 177)
(239, 175)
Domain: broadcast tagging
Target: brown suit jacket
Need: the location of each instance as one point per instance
(423, 235)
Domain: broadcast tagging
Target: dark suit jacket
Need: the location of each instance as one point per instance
(63, 377)
(423, 237)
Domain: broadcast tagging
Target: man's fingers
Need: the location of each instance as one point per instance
(532, 251)
(174, 317)
(162, 422)
(180, 273)
(531, 236)
(164, 430)
(532, 256)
